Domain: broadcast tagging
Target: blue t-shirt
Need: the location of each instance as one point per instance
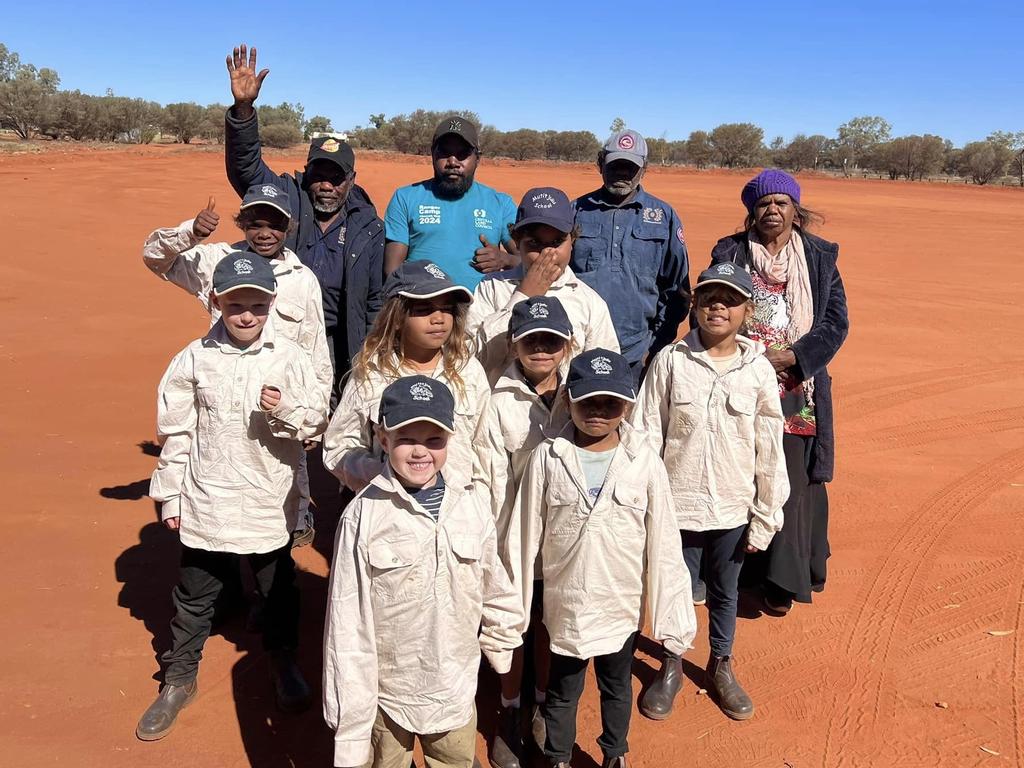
(447, 231)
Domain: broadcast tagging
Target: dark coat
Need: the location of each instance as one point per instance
(817, 348)
(362, 291)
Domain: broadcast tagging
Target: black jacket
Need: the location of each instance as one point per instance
(817, 348)
(362, 291)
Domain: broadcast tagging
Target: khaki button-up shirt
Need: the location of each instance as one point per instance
(720, 436)
(178, 256)
(227, 467)
(412, 603)
(353, 453)
(492, 307)
(601, 559)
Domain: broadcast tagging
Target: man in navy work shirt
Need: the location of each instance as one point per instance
(339, 235)
(631, 251)
(452, 219)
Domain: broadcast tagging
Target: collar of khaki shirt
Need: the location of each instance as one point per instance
(388, 482)
(286, 262)
(691, 345)
(218, 337)
(631, 442)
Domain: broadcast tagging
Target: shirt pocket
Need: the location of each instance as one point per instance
(629, 511)
(649, 245)
(564, 513)
(468, 549)
(590, 251)
(687, 410)
(293, 318)
(393, 568)
(740, 408)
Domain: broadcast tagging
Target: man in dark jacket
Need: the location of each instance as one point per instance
(338, 235)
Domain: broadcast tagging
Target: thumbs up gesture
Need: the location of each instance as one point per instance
(488, 258)
(206, 221)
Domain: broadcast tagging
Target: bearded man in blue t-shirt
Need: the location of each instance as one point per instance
(452, 219)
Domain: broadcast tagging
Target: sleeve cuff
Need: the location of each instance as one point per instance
(759, 535)
(351, 753)
(170, 508)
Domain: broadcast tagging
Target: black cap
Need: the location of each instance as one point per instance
(458, 125)
(267, 194)
(243, 270)
(337, 152)
(422, 279)
(539, 314)
(545, 205)
(729, 274)
(600, 372)
(417, 398)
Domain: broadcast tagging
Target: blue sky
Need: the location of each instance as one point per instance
(666, 68)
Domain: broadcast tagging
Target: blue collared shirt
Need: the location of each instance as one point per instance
(635, 257)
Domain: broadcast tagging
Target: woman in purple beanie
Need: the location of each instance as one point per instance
(800, 316)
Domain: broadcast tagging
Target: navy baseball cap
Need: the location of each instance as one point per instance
(600, 372)
(545, 205)
(422, 279)
(539, 314)
(243, 270)
(334, 151)
(729, 274)
(626, 145)
(417, 398)
(267, 194)
(458, 125)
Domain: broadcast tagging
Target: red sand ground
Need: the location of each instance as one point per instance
(926, 508)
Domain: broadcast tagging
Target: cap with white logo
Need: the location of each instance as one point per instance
(600, 372)
(241, 269)
(727, 273)
(545, 205)
(267, 194)
(422, 279)
(539, 314)
(417, 398)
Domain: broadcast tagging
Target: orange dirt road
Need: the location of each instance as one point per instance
(926, 507)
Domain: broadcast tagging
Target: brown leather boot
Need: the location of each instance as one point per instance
(159, 718)
(507, 744)
(659, 698)
(726, 691)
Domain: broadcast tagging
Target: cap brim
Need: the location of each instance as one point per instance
(637, 160)
(331, 158)
(719, 281)
(275, 206)
(523, 333)
(413, 420)
(232, 288)
(629, 398)
(440, 136)
(562, 226)
(468, 295)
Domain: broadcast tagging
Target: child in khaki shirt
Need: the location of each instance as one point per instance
(417, 591)
(233, 410)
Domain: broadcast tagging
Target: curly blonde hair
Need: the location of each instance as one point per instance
(382, 351)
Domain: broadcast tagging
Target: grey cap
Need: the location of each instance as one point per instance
(626, 145)
(727, 273)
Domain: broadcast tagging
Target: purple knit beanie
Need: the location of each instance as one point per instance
(770, 181)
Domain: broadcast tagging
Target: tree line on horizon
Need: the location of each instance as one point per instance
(32, 105)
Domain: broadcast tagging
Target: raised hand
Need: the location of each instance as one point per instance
(206, 221)
(541, 274)
(245, 81)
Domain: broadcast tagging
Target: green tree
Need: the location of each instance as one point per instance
(1015, 143)
(984, 161)
(377, 121)
(699, 150)
(802, 152)
(25, 94)
(524, 144)
(618, 124)
(280, 135)
(318, 124)
(737, 144)
(184, 120)
(857, 138)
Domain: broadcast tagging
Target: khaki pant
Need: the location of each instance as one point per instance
(392, 745)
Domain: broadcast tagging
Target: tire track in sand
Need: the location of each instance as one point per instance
(935, 430)
(869, 645)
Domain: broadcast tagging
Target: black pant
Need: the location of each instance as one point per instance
(565, 686)
(203, 575)
(723, 553)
